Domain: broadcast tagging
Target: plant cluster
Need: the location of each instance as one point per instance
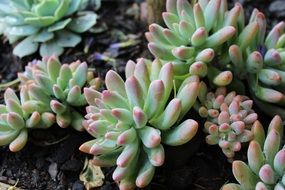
(204, 47)
(49, 92)
(266, 161)
(60, 86)
(47, 25)
(133, 118)
(19, 115)
(230, 120)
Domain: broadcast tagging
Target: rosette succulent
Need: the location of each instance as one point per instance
(132, 119)
(193, 36)
(266, 162)
(60, 86)
(18, 116)
(230, 119)
(48, 25)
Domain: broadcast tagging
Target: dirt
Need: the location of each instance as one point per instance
(51, 159)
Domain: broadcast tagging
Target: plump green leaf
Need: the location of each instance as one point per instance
(73, 7)
(22, 5)
(46, 8)
(26, 47)
(59, 25)
(62, 8)
(43, 36)
(67, 39)
(14, 20)
(50, 48)
(40, 21)
(25, 30)
(83, 22)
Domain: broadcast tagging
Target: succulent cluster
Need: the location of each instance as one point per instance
(60, 86)
(17, 116)
(260, 60)
(130, 120)
(266, 162)
(48, 25)
(194, 34)
(197, 33)
(268, 83)
(230, 120)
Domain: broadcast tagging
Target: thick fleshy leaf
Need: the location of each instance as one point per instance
(83, 23)
(150, 136)
(19, 142)
(271, 146)
(244, 175)
(134, 92)
(181, 134)
(128, 154)
(115, 82)
(53, 68)
(139, 117)
(62, 9)
(50, 48)
(67, 39)
(25, 30)
(40, 21)
(73, 6)
(15, 121)
(26, 47)
(155, 155)
(80, 74)
(267, 175)
(127, 137)
(255, 157)
(59, 25)
(43, 36)
(188, 96)
(279, 162)
(145, 174)
(154, 98)
(169, 116)
(46, 8)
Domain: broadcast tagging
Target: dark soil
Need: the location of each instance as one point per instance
(51, 159)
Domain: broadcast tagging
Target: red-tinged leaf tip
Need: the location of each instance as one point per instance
(266, 174)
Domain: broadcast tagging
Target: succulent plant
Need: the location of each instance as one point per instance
(130, 120)
(230, 119)
(268, 84)
(193, 35)
(48, 25)
(266, 162)
(18, 116)
(60, 86)
(246, 50)
(260, 60)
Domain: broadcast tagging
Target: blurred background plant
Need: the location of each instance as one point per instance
(48, 25)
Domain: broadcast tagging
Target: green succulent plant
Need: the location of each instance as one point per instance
(230, 119)
(193, 36)
(261, 62)
(47, 25)
(18, 116)
(266, 162)
(132, 119)
(60, 86)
